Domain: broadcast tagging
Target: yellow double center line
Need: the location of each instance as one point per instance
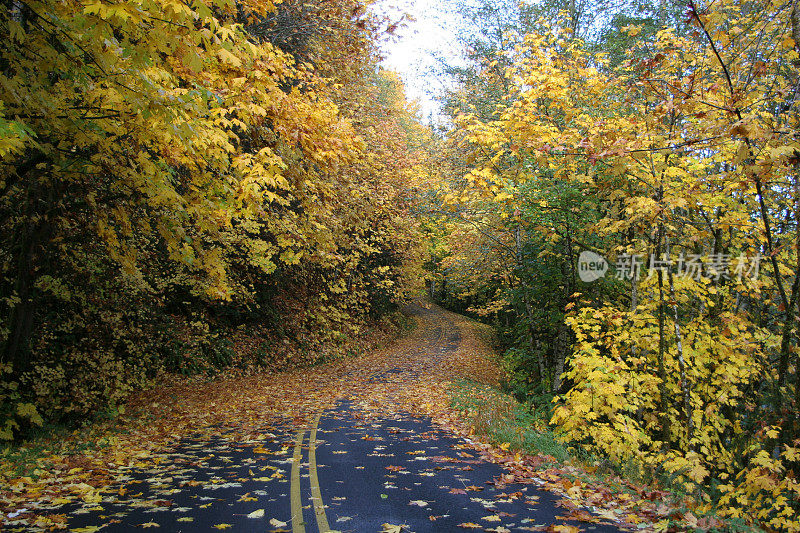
(298, 525)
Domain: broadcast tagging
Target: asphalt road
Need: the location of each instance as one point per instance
(350, 471)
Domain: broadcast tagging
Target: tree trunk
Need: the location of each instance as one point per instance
(687, 398)
(529, 317)
(562, 343)
(789, 318)
(532, 335)
(21, 316)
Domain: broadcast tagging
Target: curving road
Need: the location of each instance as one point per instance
(350, 469)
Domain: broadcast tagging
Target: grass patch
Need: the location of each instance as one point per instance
(501, 419)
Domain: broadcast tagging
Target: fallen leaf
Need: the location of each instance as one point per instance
(563, 529)
(256, 514)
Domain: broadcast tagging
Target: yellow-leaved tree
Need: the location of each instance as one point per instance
(172, 171)
(679, 166)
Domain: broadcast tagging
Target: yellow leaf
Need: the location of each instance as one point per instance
(28, 410)
(92, 497)
(229, 58)
(791, 454)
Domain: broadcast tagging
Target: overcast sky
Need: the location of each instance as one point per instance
(412, 54)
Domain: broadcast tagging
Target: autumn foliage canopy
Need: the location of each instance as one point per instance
(664, 144)
(178, 175)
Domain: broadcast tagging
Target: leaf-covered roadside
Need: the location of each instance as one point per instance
(520, 436)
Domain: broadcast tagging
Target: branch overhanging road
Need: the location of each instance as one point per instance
(359, 461)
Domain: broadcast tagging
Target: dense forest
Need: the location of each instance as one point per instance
(620, 197)
(177, 178)
(192, 187)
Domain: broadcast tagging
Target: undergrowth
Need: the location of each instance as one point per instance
(501, 419)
